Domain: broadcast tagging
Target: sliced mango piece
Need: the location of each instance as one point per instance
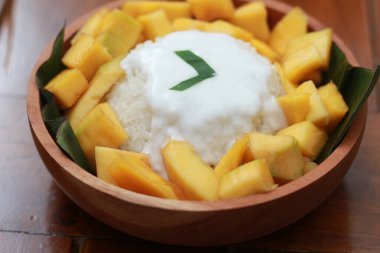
(87, 55)
(282, 154)
(233, 158)
(100, 127)
(264, 50)
(119, 33)
(183, 24)
(321, 40)
(318, 113)
(293, 25)
(286, 84)
(308, 165)
(335, 104)
(253, 18)
(67, 87)
(92, 25)
(250, 178)
(310, 138)
(155, 24)
(187, 170)
(295, 106)
(302, 62)
(135, 175)
(209, 10)
(103, 81)
(172, 9)
(227, 28)
(104, 157)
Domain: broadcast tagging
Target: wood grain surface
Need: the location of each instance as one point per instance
(35, 212)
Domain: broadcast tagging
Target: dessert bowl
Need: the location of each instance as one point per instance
(198, 223)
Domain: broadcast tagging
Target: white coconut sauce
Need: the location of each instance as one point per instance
(212, 114)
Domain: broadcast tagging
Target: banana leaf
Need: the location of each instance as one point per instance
(55, 121)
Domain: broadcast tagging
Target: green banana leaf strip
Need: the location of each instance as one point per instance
(339, 68)
(53, 65)
(56, 123)
(355, 91)
(67, 140)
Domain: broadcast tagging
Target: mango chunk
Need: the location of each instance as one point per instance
(310, 138)
(209, 10)
(335, 105)
(87, 55)
(264, 50)
(172, 9)
(302, 62)
(67, 87)
(253, 18)
(282, 153)
(293, 25)
(321, 40)
(295, 106)
(155, 24)
(233, 158)
(187, 170)
(286, 84)
(105, 78)
(183, 24)
(119, 33)
(250, 178)
(318, 113)
(101, 128)
(227, 28)
(135, 175)
(308, 165)
(104, 157)
(92, 25)
(315, 76)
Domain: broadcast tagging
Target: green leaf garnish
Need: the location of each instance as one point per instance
(55, 121)
(203, 69)
(67, 140)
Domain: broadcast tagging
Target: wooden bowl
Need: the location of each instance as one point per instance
(191, 222)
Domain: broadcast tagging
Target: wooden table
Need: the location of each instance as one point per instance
(35, 216)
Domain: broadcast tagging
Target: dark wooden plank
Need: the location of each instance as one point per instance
(21, 243)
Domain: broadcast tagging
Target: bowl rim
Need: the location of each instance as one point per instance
(41, 133)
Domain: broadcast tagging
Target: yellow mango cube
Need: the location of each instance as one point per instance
(134, 175)
(335, 105)
(92, 25)
(295, 106)
(67, 87)
(209, 10)
(184, 24)
(286, 84)
(293, 25)
(321, 40)
(87, 55)
(100, 127)
(173, 10)
(310, 138)
(253, 18)
(119, 33)
(233, 158)
(308, 165)
(250, 178)
(282, 153)
(302, 62)
(155, 24)
(227, 28)
(318, 113)
(264, 50)
(103, 81)
(187, 170)
(104, 157)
